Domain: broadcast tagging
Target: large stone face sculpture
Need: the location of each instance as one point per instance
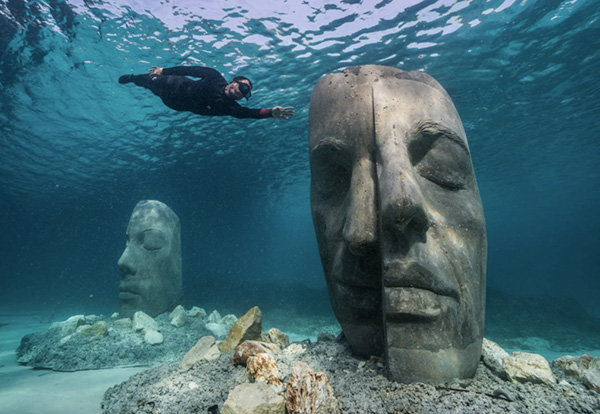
(150, 266)
(399, 221)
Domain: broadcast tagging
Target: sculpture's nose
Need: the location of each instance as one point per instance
(402, 210)
(125, 264)
(360, 226)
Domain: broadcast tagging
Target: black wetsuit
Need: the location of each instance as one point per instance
(203, 97)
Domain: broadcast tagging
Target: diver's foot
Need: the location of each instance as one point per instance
(126, 79)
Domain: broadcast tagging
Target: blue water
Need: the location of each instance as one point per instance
(78, 150)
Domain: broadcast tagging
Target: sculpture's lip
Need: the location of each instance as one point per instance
(128, 294)
(412, 274)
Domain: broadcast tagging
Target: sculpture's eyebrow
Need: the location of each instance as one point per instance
(329, 144)
(434, 129)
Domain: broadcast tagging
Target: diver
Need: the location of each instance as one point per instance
(211, 95)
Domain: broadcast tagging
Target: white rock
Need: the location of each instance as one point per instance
(192, 385)
(493, 357)
(591, 377)
(143, 322)
(153, 337)
(294, 349)
(228, 320)
(213, 353)
(124, 322)
(253, 398)
(525, 367)
(214, 317)
(65, 339)
(217, 329)
(69, 326)
(115, 315)
(197, 353)
(178, 317)
(196, 312)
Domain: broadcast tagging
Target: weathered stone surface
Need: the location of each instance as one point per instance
(143, 322)
(218, 330)
(152, 337)
(69, 326)
(229, 320)
(263, 368)
(591, 376)
(197, 353)
(213, 353)
(196, 312)
(253, 398)
(150, 265)
(98, 330)
(248, 326)
(214, 317)
(277, 337)
(178, 317)
(124, 322)
(249, 348)
(424, 310)
(493, 356)
(309, 392)
(525, 367)
(575, 366)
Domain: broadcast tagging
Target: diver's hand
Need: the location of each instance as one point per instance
(282, 113)
(156, 70)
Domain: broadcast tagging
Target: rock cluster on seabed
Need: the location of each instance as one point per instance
(257, 376)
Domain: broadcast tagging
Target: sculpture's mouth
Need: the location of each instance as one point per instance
(127, 293)
(412, 274)
(124, 295)
(413, 292)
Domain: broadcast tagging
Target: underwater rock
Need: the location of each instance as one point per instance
(250, 348)
(218, 330)
(584, 368)
(152, 337)
(248, 326)
(275, 336)
(358, 391)
(143, 322)
(591, 377)
(69, 326)
(197, 353)
(125, 322)
(99, 330)
(90, 348)
(178, 317)
(309, 392)
(228, 320)
(263, 368)
(253, 398)
(214, 317)
(493, 356)
(526, 367)
(196, 312)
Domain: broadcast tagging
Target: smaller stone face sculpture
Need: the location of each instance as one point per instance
(150, 266)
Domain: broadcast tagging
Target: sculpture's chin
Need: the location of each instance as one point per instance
(432, 366)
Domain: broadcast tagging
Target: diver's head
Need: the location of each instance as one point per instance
(240, 87)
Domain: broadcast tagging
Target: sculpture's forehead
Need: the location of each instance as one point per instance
(357, 102)
(149, 218)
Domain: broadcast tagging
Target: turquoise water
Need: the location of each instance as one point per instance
(78, 150)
